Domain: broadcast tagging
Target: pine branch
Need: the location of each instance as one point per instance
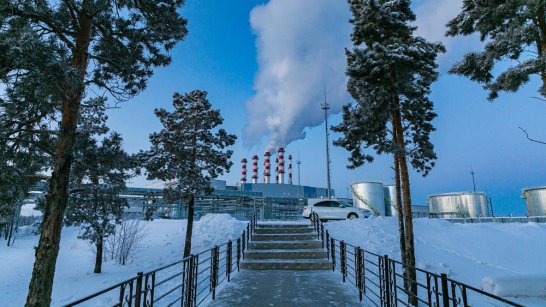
(39, 19)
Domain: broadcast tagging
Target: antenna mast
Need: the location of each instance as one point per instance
(325, 106)
(299, 178)
(473, 180)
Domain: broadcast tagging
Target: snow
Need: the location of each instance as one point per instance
(529, 285)
(74, 278)
(467, 253)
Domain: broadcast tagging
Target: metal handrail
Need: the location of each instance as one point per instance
(377, 275)
(141, 290)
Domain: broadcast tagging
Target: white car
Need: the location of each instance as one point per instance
(333, 209)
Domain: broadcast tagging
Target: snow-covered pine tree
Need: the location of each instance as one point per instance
(390, 72)
(514, 33)
(59, 49)
(26, 139)
(189, 151)
(99, 173)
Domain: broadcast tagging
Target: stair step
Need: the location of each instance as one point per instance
(283, 237)
(288, 225)
(279, 230)
(276, 264)
(287, 254)
(285, 244)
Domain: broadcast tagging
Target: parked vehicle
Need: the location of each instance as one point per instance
(333, 209)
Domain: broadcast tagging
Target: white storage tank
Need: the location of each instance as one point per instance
(369, 195)
(535, 199)
(459, 204)
(390, 200)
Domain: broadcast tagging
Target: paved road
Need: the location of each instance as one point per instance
(286, 288)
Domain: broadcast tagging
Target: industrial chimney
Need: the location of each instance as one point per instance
(277, 170)
(281, 165)
(289, 169)
(243, 171)
(255, 169)
(267, 167)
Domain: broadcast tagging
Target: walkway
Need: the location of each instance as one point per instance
(286, 288)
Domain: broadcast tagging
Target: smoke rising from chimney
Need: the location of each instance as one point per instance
(300, 47)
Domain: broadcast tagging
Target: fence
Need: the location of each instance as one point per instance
(382, 281)
(188, 282)
(507, 219)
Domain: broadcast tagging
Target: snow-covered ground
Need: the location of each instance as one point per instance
(74, 278)
(466, 252)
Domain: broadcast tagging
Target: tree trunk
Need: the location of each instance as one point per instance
(408, 219)
(98, 255)
(401, 226)
(43, 273)
(189, 228)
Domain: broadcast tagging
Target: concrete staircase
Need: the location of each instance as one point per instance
(285, 247)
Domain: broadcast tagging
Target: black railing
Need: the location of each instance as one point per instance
(187, 282)
(382, 281)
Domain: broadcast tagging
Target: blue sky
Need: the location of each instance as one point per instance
(265, 64)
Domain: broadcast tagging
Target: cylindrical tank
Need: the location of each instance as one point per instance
(535, 199)
(369, 195)
(390, 200)
(460, 204)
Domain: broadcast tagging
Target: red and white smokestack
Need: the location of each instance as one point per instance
(243, 170)
(277, 170)
(289, 169)
(255, 169)
(267, 167)
(281, 165)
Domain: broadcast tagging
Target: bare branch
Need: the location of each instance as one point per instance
(530, 139)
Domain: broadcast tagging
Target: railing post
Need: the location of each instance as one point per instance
(445, 291)
(149, 289)
(322, 233)
(328, 244)
(214, 270)
(238, 253)
(138, 289)
(343, 259)
(244, 245)
(387, 278)
(228, 260)
(358, 272)
(248, 232)
(195, 271)
(189, 286)
(333, 249)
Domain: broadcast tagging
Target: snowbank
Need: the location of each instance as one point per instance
(466, 252)
(527, 285)
(74, 278)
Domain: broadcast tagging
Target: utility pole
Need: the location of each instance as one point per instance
(299, 178)
(325, 106)
(473, 180)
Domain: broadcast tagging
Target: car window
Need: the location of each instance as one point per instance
(322, 204)
(334, 204)
(346, 204)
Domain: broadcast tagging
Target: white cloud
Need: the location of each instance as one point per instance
(300, 47)
(300, 52)
(432, 17)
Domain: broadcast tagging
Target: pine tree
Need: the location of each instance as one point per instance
(390, 72)
(514, 32)
(57, 50)
(98, 176)
(187, 152)
(25, 153)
